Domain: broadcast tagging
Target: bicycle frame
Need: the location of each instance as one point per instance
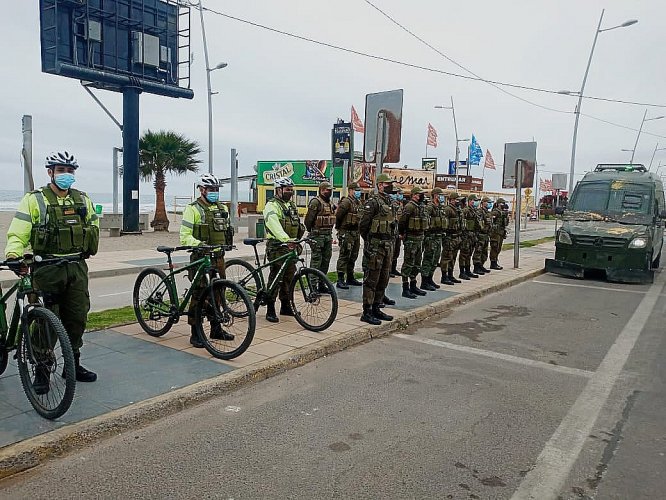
(9, 333)
(286, 258)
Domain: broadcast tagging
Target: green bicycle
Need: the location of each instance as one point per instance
(44, 354)
(311, 295)
(224, 316)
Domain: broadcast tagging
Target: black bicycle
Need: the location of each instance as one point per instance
(44, 354)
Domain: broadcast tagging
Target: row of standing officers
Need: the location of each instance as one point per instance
(433, 234)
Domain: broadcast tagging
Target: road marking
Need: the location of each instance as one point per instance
(498, 355)
(575, 285)
(113, 294)
(556, 460)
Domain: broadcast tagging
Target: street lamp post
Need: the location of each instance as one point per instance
(582, 90)
(645, 119)
(455, 129)
(656, 148)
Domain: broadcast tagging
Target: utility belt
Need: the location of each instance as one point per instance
(325, 231)
(381, 237)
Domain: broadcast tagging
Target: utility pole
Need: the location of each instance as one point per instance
(234, 189)
(26, 154)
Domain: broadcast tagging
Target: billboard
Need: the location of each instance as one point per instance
(465, 182)
(383, 115)
(111, 44)
(429, 164)
(302, 172)
(514, 151)
(452, 166)
(559, 182)
(407, 178)
(363, 174)
(342, 144)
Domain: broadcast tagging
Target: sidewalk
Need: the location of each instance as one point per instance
(142, 378)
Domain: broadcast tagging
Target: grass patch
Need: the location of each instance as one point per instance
(109, 318)
(333, 276)
(529, 243)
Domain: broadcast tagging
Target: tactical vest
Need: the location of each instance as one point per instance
(63, 229)
(290, 221)
(352, 217)
(325, 219)
(469, 219)
(452, 219)
(214, 228)
(419, 223)
(438, 220)
(383, 223)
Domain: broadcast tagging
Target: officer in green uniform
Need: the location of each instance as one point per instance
(377, 228)
(499, 222)
(349, 240)
(206, 222)
(412, 226)
(397, 202)
(59, 220)
(451, 238)
(483, 236)
(282, 225)
(319, 221)
(468, 237)
(432, 242)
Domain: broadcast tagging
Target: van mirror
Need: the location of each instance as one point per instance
(662, 214)
(560, 210)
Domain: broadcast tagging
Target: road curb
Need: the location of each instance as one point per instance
(35, 451)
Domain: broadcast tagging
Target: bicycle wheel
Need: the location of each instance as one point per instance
(242, 272)
(153, 300)
(46, 364)
(313, 299)
(226, 319)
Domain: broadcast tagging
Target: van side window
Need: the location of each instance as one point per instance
(661, 205)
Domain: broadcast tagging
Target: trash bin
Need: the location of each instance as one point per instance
(98, 210)
(260, 228)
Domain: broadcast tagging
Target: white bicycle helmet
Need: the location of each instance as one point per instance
(209, 181)
(63, 158)
(283, 182)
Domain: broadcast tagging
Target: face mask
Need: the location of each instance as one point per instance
(326, 196)
(287, 196)
(441, 198)
(357, 195)
(64, 181)
(475, 204)
(489, 206)
(394, 197)
(388, 189)
(213, 196)
(401, 197)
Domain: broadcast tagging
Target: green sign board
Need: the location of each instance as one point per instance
(302, 172)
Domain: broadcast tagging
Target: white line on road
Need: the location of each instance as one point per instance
(559, 455)
(575, 285)
(117, 293)
(498, 355)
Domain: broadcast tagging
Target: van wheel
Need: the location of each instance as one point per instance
(655, 264)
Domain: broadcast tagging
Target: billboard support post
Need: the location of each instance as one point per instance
(234, 189)
(131, 160)
(381, 144)
(28, 182)
(516, 236)
(115, 178)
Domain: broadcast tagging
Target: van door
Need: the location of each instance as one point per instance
(659, 226)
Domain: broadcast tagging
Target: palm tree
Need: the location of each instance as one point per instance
(161, 153)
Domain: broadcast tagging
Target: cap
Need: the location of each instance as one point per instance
(416, 190)
(452, 195)
(436, 191)
(384, 178)
(352, 185)
(472, 197)
(325, 185)
(500, 200)
(485, 199)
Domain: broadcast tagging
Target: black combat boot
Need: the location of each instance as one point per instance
(218, 333)
(425, 284)
(394, 273)
(432, 283)
(270, 312)
(406, 292)
(484, 269)
(368, 317)
(446, 280)
(341, 281)
(478, 270)
(469, 273)
(387, 301)
(452, 278)
(495, 265)
(463, 274)
(83, 375)
(195, 340)
(379, 314)
(415, 289)
(41, 384)
(351, 280)
(285, 309)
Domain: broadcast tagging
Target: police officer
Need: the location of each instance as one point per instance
(432, 242)
(282, 224)
(499, 222)
(483, 236)
(377, 228)
(319, 221)
(412, 226)
(397, 202)
(349, 240)
(59, 220)
(451, 238)
(206, 222)
(468, 237)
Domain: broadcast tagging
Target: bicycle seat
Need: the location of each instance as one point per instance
(165, 249)
(252, 241)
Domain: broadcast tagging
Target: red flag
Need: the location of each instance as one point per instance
(546, 186)
(432, 136)
(356, 122)
(489, 162)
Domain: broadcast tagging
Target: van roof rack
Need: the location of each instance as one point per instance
(620, 167)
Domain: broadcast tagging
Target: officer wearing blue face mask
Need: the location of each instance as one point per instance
(347, 217)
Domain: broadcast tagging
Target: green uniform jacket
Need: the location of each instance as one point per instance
(348, 205)
(411, 210)
(370, 210)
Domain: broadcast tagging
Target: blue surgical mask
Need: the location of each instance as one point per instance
(64, 181)
(213, 196)
(489, 205)
(394, 197)
(401, 197)
(357, 195)
(441, 198)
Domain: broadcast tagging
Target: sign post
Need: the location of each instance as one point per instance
(516, 236)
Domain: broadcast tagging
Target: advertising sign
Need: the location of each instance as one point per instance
(383, 114)
(465, 182)
(342, 144)
(462, 164)
(408, 178)
(513, 151)
(363, 174)
(302, 172)
(429, 164)
(559, 182)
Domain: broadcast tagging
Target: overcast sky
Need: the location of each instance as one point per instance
(279, 96)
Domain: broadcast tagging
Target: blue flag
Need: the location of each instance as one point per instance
(475, 152)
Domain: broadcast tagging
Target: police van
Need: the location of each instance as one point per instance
(614, 223)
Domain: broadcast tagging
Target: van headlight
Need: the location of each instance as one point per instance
(639, 242)
(564, 238)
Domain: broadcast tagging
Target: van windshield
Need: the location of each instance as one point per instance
(618, 199)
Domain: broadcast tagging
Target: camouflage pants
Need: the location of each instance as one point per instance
(432, 252)
(481, 249)
(495, 247)
(65, 289)
(413, 256)
(322, 251)
(274, 250)
(218, 263)
(450, 247)
(350, 244)
(396, 252)
(377, 259)
(467, 242)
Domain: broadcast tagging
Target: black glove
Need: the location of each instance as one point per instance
(17, 266)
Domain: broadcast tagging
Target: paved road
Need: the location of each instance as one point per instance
(554, 387)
